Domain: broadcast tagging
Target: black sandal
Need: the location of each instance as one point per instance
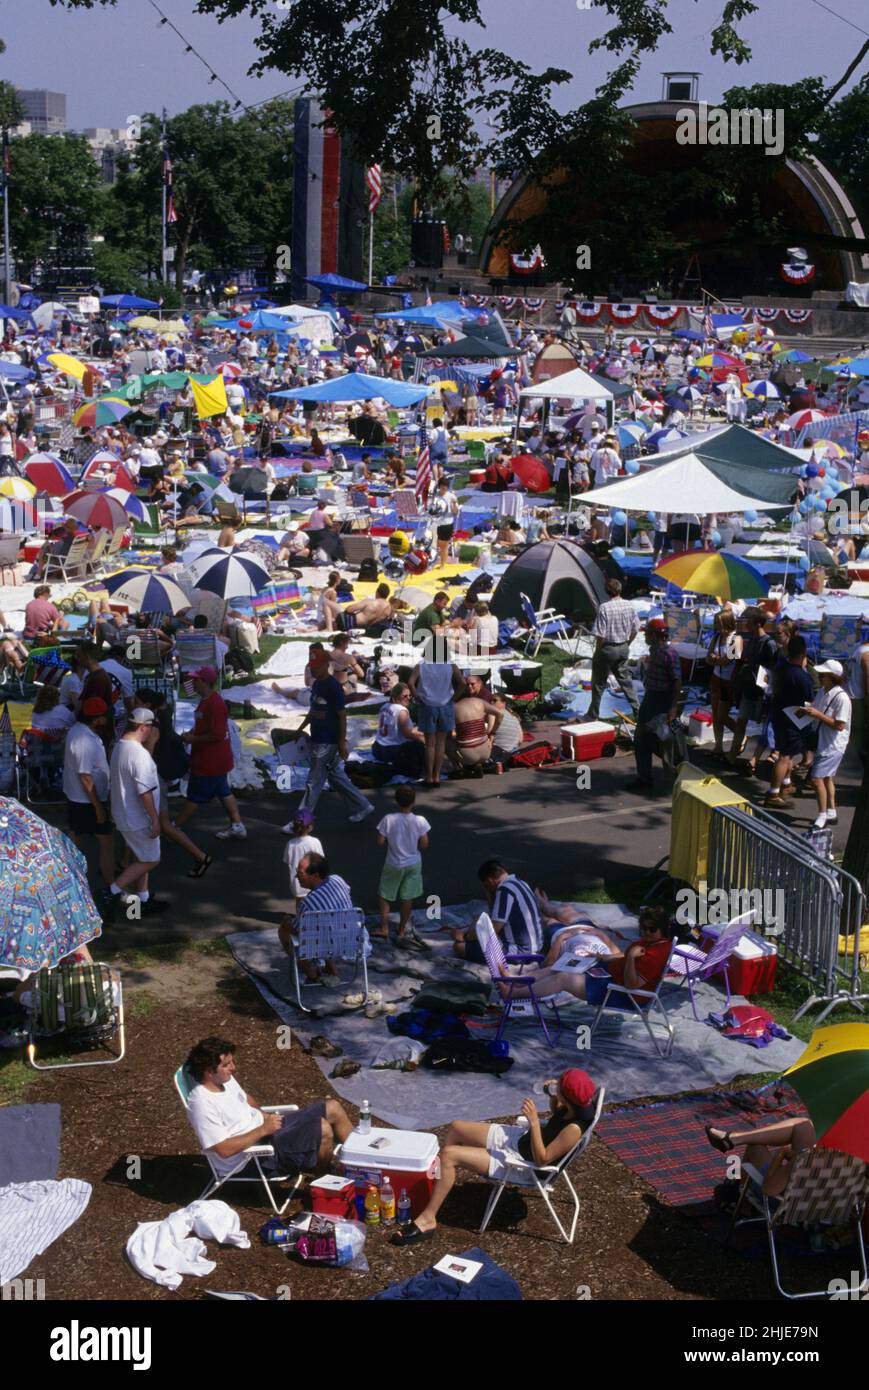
(411, 1235)
(724, 1144)
(202, 867)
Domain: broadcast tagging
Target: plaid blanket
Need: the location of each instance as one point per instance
(665, 1144)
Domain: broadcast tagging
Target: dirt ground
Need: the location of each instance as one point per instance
(629, 1245)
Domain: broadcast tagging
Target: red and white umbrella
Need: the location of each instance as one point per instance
(231, 371)
(804, 417)
(99, 510)
(47, 474)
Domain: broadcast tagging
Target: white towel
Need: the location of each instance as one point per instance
(32, 1216)
(166, 1250)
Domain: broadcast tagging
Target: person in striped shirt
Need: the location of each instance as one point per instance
(326, 892)
(514, 912)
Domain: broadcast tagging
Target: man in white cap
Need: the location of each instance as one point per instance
(135, 798)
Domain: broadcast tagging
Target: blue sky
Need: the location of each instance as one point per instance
(118, 62)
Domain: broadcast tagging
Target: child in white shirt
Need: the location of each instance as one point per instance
(300, 843)
(404, 835)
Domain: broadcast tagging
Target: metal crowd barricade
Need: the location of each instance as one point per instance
(823, 905)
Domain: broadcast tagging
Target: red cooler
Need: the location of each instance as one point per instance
(582, 742)
(409, 1158)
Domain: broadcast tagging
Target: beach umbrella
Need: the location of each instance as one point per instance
(230, 574)
(831, 1078)
(631, 432)
(791, 355)
(99, 510)
(17, 489)
(62, 362)
(763, 388)
(531, 473)
(659, 439)
(134, 506)
(828, 447)
(804, 417)
(46, 909)
(231, 371)
(713, 572)
(48, 474)
(145, 592)
(690, 393)
(858, 366)
(103, 412)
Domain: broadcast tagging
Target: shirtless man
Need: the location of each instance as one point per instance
(367, 612)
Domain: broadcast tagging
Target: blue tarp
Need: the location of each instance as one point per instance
(260, 321)
(7, 312)
(358, 386)
(13, 371)
(128, 301)
(335, 283)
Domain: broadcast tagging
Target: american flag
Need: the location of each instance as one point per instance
(375, 186)
(446, 238)
(171, 214)
(427, 297)
(708, 326)
(423, 470)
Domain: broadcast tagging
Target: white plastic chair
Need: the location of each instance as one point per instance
(543, 1180)
(249, 1157)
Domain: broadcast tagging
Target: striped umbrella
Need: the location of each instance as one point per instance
(631, 432)
(763, 388)
(132, 505)
(144, 592)
(690, 393)
(19, 516)
(229, 574)
(103, 412)
(47, 474)
(831, 1078)
(17, 489)
(804, 417)
(98, 510)
(659, 439)
(713, 572)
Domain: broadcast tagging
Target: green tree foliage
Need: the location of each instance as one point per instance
(11, 107)
(54, 182)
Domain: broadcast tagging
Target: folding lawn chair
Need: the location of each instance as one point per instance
(683, 625)
(497, 962)
(331, 935)
(543, 1180)
(9, 550)
(358, 548)
(40, 763)
(542, 626)
(691, 963)
(522, 688)
(249, 1158)
(643, 1002)
(194, 650)
(405, 504)
(72, 565)
(77, 1005)
(825, 1188)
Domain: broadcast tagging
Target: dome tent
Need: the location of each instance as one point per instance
(554, 574)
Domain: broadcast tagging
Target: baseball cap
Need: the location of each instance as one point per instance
(830, 668)
(577, 1086)
(656, 625)
(94, 706)
(205, 673)
(142, 716)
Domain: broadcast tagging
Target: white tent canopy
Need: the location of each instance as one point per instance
(685, 485)
(575, 385)
(318, 325)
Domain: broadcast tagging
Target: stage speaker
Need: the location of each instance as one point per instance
(427, 242)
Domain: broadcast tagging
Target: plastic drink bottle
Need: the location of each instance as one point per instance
(359, 1198)
(404, 1214)
(387, 1203)
(364, 1125)
(372, 1206)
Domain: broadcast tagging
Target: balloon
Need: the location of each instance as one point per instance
(632, 466)
(819, 504)
(715, 538)
(619, 517)
(805, 507)
(650, 516)
(822, 470)
(750, 516)
(618, 554)
(698, 545)
(811, 470)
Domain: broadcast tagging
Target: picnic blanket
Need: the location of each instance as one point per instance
(32, 1216)
(620, 1055)
(29, 1143)
(665, 1144)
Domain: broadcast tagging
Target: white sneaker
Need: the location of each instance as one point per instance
(233, 832)
(820, 820)
(360, 815)
(832, 817)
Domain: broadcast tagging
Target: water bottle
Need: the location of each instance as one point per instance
(372, 1206)
(359, 1198)
(404, 1214)
(364, 1125)
(387, 1203)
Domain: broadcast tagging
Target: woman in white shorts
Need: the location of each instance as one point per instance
(832, 711)
(489, 1149)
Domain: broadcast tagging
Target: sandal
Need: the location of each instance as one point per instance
(723, 1144)
(411, 1235)
(202, 866)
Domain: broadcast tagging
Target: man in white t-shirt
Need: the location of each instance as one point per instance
(135, 791)
(605, 462)
(86, 784)
(404, 835)
(227, 1120)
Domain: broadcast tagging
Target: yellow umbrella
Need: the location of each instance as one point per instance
(19, 489)
(438, 386)
(64, 363)
(143, 321)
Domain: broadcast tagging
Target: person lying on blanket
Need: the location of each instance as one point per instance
(488, 1149)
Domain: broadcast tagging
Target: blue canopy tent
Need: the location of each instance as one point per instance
(7, 312)
(127, 301)
(329, 285)
(444, 311)
(13, 371)
(358, 386)
(690, 334)
(259, 321)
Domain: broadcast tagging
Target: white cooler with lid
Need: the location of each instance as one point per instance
(409, 1157)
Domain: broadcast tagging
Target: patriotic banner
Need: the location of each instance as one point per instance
(662, 314)
(423, 470)
(623, 313)
(533, 304)
(508, 302)
(797, 315)
(374, 182)
(797, 272)
(480, 301)
(171, 214)
(588, 311)
(764, 315)
(526, 265)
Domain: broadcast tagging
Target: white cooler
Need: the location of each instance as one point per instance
(409, 1157)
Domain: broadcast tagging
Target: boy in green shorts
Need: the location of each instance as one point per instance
(404, 835)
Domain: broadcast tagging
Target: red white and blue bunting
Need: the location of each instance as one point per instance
(662, 314)
(588, 311)
(762, 315)
(797, 272)
(624, 313)
(796, 316)
(508, 302)
(526, 265)
(533, 303)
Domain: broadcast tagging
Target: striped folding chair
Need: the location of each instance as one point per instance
(331, 935)
(691, 963)
(77, 1005)
(497, 961)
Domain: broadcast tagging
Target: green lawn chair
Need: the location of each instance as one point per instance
(77, 1006)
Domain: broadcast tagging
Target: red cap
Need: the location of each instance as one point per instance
(656, 625)
(577, 1087)
(94, 706)
(205, 673)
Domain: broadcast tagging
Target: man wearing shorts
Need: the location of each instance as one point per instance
(434, 685)
(135, 791)
(227, 1120)
(86, 784)
(211, 759)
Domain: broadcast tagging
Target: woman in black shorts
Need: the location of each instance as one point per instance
(444, 508)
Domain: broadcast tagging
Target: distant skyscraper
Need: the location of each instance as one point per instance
(46, 111)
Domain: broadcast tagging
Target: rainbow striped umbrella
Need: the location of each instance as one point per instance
(107, 411)
(713, 572)
(831, 1078)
